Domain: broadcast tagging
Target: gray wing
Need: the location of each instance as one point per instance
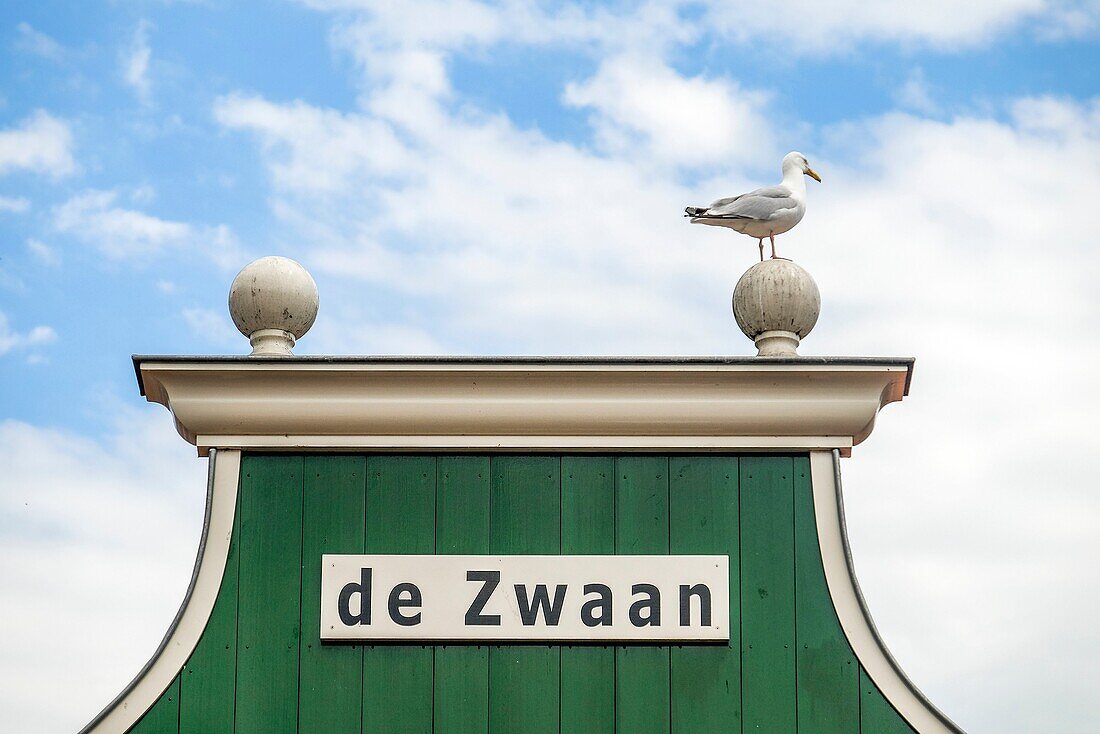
(758, 204)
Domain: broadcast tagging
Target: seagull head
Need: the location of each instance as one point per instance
(795, 161)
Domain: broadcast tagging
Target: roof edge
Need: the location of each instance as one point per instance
(522, 402)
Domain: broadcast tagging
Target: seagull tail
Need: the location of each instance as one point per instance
(695, 211)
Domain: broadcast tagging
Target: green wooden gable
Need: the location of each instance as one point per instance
(260, 666)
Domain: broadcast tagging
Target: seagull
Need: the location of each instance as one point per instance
(764, 212)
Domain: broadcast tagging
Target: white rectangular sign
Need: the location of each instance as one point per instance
(411, 598)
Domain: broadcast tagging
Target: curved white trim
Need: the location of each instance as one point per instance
(850, 607)
(187, 628)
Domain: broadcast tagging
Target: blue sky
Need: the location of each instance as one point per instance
(468, 177)
(163, 144)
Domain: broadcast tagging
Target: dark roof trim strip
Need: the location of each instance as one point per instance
(907, 362)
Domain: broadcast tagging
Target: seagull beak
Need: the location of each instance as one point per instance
(813, 174)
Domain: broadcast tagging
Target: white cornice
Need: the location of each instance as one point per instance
(523, 404)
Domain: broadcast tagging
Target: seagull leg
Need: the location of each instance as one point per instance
(760, 242)
(772, 238)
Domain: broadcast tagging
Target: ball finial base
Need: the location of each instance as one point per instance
(271, 343)
(776, 303)
(777, 344)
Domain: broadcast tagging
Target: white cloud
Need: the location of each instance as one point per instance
(314, 149)
(213, 327)
(38, 43)
(119, 233)
(802, 26)
(93, 217)
(643, 108)
(415, 198)
(808, 26)
(480, 216)
(410, 58)
(135, 62)
(143, 194)
(351, 329)
(14, 204)
(948, 241)
(464, 24)
(40, 143)
(916, 94)
(110, 526)
(1073, 19)
(11, 340)
(43, 252)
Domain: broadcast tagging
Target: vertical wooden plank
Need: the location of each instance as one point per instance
(164, 716)
(587, 527)
(208, 685)
(330, 676)
(462, 526)
(641, 527)
(827, 670)
(767, 594)
(525, 517)
(269, 594)
(397, 679)
(877, 716)
(706, 681)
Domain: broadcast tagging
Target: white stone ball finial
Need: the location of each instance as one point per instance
(776, 303)
(273, 301)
